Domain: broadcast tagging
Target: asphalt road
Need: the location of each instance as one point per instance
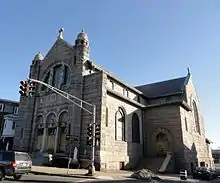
(55, 179)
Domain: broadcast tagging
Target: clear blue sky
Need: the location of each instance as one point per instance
(140, 41)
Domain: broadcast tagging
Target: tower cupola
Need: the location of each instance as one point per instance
(82, 39)
(38, 57)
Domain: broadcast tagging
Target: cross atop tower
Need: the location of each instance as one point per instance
(188, 70)
(60, 36)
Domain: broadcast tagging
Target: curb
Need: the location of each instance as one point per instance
(64, 175)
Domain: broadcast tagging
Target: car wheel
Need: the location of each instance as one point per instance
(17, 177)
(2, 174)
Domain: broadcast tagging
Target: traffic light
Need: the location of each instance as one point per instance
(31, 88)
(89, 141)
(89, 130)
(97, 132)
(23, 88)
(89, 133)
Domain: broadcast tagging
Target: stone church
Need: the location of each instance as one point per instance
(157, 126)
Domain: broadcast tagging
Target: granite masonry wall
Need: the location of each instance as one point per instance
(193, 140)
(115, 154)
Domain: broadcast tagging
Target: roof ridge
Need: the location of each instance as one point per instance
(159, 82)
(7, 100)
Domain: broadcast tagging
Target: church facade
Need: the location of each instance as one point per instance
(138, 124)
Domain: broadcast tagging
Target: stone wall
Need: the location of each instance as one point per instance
(47, 101)
(92, 93)
(165, 119)
(192, 139)
(113, 152)
(26, 113)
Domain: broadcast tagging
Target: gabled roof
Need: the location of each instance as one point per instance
(8, 101)
(163, 88)
(57, 42)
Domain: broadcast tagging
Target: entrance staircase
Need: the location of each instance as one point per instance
(151, 163)
(156, 164)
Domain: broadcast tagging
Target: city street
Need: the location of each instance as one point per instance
(55, 179)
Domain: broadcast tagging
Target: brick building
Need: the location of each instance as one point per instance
(140, 126)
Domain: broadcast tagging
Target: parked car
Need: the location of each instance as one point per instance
(13, 163)
(204, 173)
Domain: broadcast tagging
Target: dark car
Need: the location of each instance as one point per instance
(13, 163)
(204, 173)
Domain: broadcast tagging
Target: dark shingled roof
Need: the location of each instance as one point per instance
(163, 88)
(8, 101)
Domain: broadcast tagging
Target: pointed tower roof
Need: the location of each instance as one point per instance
(38, 57)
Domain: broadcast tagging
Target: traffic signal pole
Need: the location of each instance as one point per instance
(75, 100)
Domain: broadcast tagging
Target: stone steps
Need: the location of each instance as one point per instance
(153, 163)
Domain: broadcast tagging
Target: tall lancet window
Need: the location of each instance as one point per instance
(57, 76)
(196, 117)
(120, 125)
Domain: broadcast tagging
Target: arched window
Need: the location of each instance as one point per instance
(22, 133)
(46, 80)
(120, 125)
(124, 91)
(112, 85)
(186, 125)
(135, 128)
(106, 116)
(66, 75)
(56, 76)
(196, 117)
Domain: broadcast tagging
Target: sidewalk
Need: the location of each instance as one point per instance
(78, 173)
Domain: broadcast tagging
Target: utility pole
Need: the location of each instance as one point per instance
(73, 99)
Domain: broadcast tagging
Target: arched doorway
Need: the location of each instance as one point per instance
(51, 132)
(162, 141)
(63, 119)
(39, 132)
(162, 144)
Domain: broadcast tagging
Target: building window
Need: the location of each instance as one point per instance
(46, 80)
(135, 128)
(196, 117)
(138, 99)
(124, 92)
(57, 76)
(106, 116)
(22, 133)
(1, 107)
(66, 75)
(112, 85)
(13, 125)
(16, 110)
(120, 125)
(74, 60)
(69, 129)
(186, 126)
